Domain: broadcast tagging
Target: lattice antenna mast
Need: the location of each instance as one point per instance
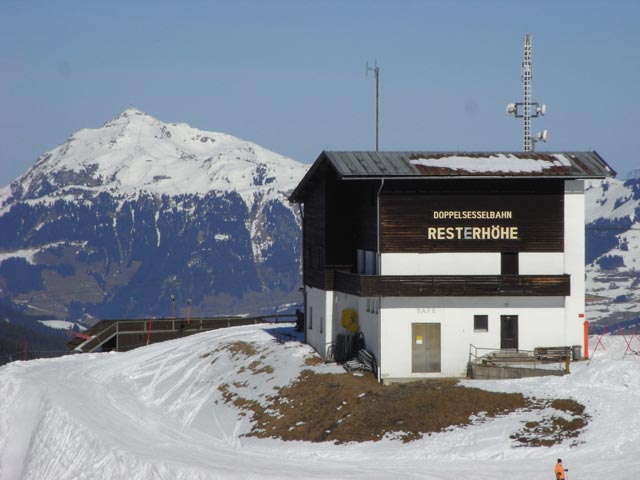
(527, 144)
(524, 109)
(376, 71)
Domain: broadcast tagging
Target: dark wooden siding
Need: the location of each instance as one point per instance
(339, 218)
(537, 209)
(314, 234)
(451, 285)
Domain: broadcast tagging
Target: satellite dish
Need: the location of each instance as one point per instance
(511, 109)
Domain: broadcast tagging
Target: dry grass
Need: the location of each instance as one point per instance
(347, 408)
(313, 361)
(554, 429)
(355, 408)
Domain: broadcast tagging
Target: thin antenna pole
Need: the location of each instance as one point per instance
(376, 71)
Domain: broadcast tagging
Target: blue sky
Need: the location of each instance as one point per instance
(290, 75)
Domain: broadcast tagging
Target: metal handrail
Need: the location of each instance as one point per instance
(169, 325)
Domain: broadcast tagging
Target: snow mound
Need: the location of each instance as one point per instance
(158, 412)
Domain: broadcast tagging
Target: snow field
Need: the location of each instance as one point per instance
(158, 413)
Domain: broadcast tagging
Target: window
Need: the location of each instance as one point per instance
(509, 263)
(310, 318)
(481, 323)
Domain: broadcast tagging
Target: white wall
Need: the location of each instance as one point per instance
(368, 321)
(540, 321)
(318, 318)
(574, 258)
(326, 309)
(541, 263)
(469, 263)
(462, 263)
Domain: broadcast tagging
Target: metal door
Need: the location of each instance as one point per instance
(425, 347)
(509, 331)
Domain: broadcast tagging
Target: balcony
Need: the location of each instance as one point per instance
(447, 285)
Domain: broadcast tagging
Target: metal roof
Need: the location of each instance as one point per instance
(474, 164)
(439, 165)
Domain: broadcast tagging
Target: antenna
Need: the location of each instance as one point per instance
(524, 109)
(376, 71)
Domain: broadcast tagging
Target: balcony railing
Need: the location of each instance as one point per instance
(447, 285)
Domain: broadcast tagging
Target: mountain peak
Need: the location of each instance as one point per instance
(126, 116)
(130, 111)
(135, 152)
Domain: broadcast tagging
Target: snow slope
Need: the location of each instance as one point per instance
(152, 413)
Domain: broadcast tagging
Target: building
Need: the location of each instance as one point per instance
(439, 251)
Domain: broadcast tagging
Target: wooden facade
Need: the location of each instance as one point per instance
(535, 209)
(341, 217)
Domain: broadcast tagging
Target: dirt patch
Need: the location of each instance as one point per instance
(313, 360)
(555, 428)
(257, 367)
(345, 407)
(235, 349)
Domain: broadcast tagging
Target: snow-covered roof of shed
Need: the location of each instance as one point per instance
(425, 165)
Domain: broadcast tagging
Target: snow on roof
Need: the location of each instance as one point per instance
(499, 163)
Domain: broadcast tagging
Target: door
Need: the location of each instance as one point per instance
(425, 347)
(509, 331)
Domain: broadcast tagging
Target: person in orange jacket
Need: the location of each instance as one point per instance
(560, 470)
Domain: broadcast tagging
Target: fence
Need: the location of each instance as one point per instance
(124, 335)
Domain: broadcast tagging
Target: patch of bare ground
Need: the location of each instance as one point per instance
(554, 429)
(350, 408)
(242, 350)
(343, 408)
(313, 360)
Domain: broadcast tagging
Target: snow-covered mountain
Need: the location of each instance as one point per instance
(117, 219)
(613, 250)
